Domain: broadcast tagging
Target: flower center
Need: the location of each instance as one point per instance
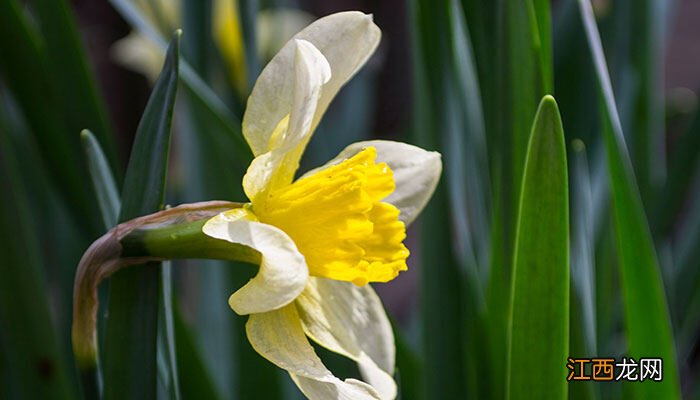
(338, 222)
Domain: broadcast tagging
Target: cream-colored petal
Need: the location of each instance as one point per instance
(346, 40)
(277, 166)
(416, 173)
(319, 390)
(139, 54)
(351, 321)
(278, 336)
(283, 272)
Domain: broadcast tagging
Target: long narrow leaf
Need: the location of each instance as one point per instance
(109, 202)
(195, 383)
(102, 179)
(582, 261)
(469, 138)
(248, 11)
(80, 103)
(35, 368)
(441, 309)
(130, 338)
(26, 70)
(539, 323)
(646, 312)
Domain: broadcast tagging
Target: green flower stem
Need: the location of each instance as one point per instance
(174, 233)
(184, 241)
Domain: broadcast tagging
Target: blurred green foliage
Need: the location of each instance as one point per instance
(495, 243)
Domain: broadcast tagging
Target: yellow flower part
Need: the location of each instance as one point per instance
(227, 31)
(338, 222)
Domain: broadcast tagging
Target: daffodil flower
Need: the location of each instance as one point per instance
(326, 235)
(319, 239)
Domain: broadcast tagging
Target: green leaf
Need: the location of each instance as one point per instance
(539, 321)
(582, 247)
(28, 342)
(166, 334)
(102, 179)
(130, 337)
(583, 327)
(195, 383)
(248, 11)
(541, 34)
(469, 176)
(443, 347)
(80, 104)
(638, 36)
(408, 367)
(684, 159)
(26, 69)
(647, 320)
(197, 45)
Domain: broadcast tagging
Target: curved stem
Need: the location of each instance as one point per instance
(169, 234)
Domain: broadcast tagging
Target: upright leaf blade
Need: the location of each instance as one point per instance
(195, 383)
(26, 70)
(102, 179)
(80, 104)
(28, 342)
(539, 323)
(130, 339)
(647, 320)
(441, 309)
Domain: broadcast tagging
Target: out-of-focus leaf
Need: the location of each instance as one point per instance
(131, 331)
(539, 322)
(196, 87)
(33, 366)
(441, 309)
(248, 10)
(81, 106)
(582, 259)
(197, 23)
(470, 183)
(636, 32)
(27, 69)
(582, 317)
(541, 34)
(681, 187)
(194, 381)
(408, 369)
(683, 164)
(647, 320)
(166, 335)
(686, 293)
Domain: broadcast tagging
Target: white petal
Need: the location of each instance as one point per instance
(276, 166)
(351, 321)
(283, 272)
(346, 40)
(416, 173)
(278, 336)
